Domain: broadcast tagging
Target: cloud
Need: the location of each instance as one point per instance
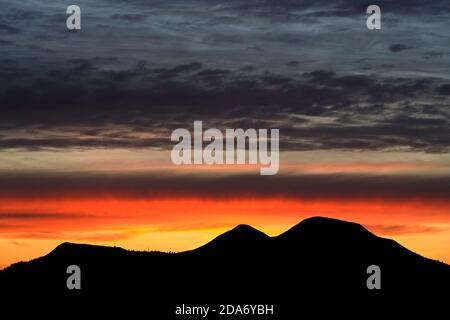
(8, 29)
(385, 229)
(129, 16)
(88, 236)
(160, 66)
(20, 243)
(398, 47)
(339, 187)
(6, 43)
(365, 109)
(444, 90)
(28, 216)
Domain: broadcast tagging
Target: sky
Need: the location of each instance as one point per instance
(86, 119)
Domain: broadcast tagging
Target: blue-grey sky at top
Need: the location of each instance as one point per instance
(310, 68)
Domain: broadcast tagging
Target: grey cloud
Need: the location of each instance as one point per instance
(6, 43)
(148, 186)
(129, 16)
(8, 29)
(224, 97)
(398, 47)
(233, 63)
(444, 89)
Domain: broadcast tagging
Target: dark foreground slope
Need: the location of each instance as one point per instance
(318, 258)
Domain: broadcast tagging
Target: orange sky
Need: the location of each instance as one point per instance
(120, 198)
(32, 228)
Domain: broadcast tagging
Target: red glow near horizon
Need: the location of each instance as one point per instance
(123, 221)
(87, 214)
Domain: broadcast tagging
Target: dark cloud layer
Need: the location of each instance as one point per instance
(341, 7)
(314, 110)
(30, 216)
(144, 68)
(398, 47)
(307, 187)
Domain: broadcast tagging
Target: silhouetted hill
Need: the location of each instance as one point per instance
(326, 228)
(318, 258)
(241, 239)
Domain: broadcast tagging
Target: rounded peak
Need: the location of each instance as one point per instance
(66, 245)
(244, 228)
(240, 237)
(327, 227)
(323, 221)
(64, 248)
(244, 231)
(69, 248)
